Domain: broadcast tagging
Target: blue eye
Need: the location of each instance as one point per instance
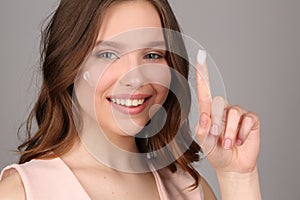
(153, 56)
(108, 55)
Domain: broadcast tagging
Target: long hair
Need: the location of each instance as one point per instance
(66, 41)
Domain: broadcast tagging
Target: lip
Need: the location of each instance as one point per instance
(129, 96)
(134, 110)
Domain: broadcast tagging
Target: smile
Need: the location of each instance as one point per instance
(127, 102)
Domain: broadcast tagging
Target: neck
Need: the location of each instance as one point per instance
(112, 150)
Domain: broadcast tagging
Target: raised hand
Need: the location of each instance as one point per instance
(228, 135)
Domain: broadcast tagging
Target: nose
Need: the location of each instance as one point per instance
(133, 75)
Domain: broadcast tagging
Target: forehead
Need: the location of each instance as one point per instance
(124, 17)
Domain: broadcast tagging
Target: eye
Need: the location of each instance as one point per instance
(153, 56)
(108, 55)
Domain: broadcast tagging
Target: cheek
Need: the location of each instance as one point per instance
(162, 93)
(100, 73)
(163, 86)
(105, 81)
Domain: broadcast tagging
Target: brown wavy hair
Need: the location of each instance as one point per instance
(68, 38)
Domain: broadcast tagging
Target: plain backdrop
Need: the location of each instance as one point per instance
(254, 43)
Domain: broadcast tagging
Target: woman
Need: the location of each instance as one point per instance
(61, 161)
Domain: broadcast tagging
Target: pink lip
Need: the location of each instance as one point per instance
(133, 110)
(129, 96)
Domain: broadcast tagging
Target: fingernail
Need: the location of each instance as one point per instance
(227, 143)
(239, 142)
(203, 120)
(214, 130)
(201, 56)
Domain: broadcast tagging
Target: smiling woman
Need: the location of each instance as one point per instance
(109, 125)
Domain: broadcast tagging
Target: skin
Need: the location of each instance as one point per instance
(108, 81)
(234, 161)
(90, 173)
(11, 186)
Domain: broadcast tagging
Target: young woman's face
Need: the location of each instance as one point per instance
(127, 71)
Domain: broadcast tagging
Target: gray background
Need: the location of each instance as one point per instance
(254, 43)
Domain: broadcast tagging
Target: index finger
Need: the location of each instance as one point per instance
(203, 86)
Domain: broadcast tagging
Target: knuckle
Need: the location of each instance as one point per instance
(250, 119)
(219, 99)
(251, 116)
(235, 111)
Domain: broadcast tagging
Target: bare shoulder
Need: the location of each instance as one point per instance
(11, 186)
(207, 190)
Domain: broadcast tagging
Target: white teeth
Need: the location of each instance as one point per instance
(128, 102)
(141, 101)
(123, 102)
(135, 102)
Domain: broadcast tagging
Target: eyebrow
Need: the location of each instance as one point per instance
(108, 43)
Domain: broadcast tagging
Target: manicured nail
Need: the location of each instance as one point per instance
(239, 142)
(214, 130)
(227, 143)
(201, 56)
(203, 120)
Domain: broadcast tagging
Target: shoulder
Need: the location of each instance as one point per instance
(19, 180)
(11, 186)
(207, 190)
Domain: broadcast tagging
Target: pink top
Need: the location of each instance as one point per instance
(53, 179)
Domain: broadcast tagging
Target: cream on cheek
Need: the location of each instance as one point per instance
(104, 79)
